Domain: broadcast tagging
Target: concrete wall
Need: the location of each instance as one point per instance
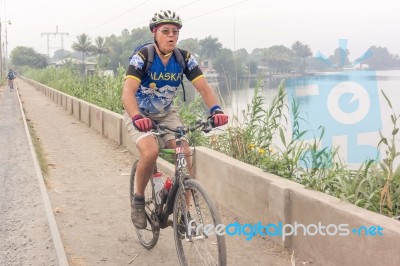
(255, 195)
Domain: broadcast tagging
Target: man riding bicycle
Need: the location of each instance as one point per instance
(11, 76)
(148, 96)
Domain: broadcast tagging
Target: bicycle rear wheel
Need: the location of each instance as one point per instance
(148, 237)
(196, 246)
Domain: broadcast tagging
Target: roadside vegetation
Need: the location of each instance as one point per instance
(40, 153)
(259, 139)
(103, 91)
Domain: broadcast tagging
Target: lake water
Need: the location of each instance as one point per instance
(349, 105)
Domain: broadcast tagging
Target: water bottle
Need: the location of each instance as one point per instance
(168, 183)
(158, 179)
(165, 190)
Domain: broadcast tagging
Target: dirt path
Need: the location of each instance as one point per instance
(88, 189)
(25, 238)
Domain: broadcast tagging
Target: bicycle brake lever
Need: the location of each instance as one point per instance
(160, 128)
(207, 126)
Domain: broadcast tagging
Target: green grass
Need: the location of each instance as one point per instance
(40, 153)
(99, 90)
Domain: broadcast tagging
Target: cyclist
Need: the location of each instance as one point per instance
(148, 97)
(11, 76)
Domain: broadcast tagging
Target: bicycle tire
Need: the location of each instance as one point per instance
(148, 237)
(201, 249)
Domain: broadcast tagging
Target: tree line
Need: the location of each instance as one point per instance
(114, 51)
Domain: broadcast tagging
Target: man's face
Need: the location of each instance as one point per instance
(167, 36)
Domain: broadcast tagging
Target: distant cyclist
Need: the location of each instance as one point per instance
(11, 76)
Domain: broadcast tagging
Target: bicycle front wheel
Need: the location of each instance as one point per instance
(195, 243)
(148, 237)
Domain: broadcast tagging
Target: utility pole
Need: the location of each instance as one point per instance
(62, 37)
(55, 35)
(1, 56)
(6, 48)
(48, 41)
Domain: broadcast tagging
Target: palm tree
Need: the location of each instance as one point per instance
(340, 57)
(83, 45)
(100, 47)
(191, 45)
(278, 58)
(301, 52)
(210, 47)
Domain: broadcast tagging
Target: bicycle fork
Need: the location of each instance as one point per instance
(193, 231)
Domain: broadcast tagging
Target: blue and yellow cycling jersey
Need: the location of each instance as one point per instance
(159, 85)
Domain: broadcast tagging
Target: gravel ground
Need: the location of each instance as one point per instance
(25, 238)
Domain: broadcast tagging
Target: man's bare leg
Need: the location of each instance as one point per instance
(148, 149)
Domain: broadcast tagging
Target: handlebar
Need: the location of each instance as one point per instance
(206, 126)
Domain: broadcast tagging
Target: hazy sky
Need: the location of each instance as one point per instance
(236, 23)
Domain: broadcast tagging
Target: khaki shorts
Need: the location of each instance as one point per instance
(170, 119)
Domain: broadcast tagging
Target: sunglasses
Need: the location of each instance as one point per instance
(168, 31)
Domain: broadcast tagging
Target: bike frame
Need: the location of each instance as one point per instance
(192, 196)
(181, 173)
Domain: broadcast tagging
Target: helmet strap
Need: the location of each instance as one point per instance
(158, 48)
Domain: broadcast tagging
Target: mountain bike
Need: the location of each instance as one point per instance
(190, 205)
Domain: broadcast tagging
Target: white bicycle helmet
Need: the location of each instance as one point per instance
(165, 16)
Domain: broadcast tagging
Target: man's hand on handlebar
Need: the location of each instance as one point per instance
(143, 124)
(219, 118)
(205, 126)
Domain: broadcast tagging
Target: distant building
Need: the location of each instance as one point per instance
(207, 68)
(264, 70)
(89, 66)
(361, 66)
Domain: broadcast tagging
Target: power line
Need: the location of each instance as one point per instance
(216, 10)
(201, 15)
(144, 21)
(118, 16)
(191, 3)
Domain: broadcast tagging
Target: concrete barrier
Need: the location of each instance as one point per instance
(76, 109)
(255, 195)
(112, 126)
(63, 98)
(84, 109)
(95, 117)
(70, 106)
(58, 97)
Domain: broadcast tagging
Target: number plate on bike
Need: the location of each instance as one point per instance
(179, 150)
